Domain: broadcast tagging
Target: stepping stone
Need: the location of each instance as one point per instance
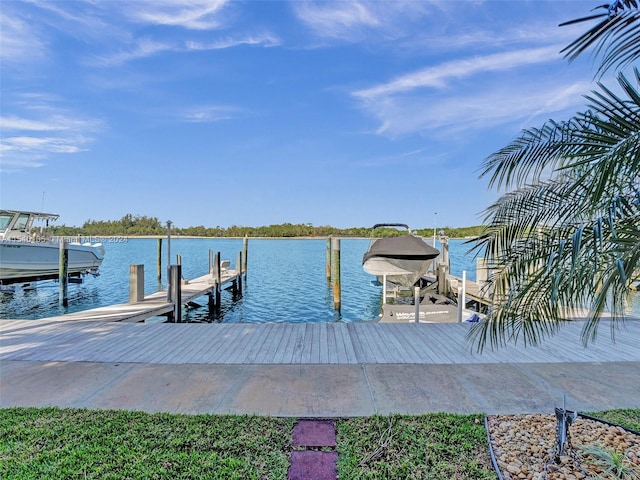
(312, 465)
(314, 433)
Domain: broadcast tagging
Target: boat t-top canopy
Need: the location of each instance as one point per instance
(22, 220)
(408, 246)
(377, 225)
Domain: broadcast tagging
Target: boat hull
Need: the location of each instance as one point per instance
(30, 261)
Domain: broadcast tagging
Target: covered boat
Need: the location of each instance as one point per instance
(29, 253)
(401, 260)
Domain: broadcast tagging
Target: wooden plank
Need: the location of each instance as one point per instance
(332, 352)
(273, 336)
(287, 344)
(422, 340)
(53, 347)
(313, 345)
(324, 345)
(219, 351)
(371, 351)
(458, 351)
(298, 347)
(128, 338)
(180, 345)
(248, 338)
(358, 348)
(208, 343)
(263, 336)
(398, 346)
(438, 343)
(344, 347)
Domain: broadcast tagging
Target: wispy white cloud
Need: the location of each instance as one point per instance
(42, 144)
(189, 14)
(515, 103)
(54, 122)
(336, 19)
(265, 40)
(28, 141)
(141, 48)
(19, 42)
(146, 48)
(208, 113)
(418, 157)
(438, 76)
(353, 20)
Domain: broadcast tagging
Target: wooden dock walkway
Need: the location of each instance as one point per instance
(294, 343)
(152, 305)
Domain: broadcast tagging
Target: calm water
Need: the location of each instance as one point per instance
(285, 280)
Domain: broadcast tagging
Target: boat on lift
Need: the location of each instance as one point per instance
(28, 252)
(400, 260)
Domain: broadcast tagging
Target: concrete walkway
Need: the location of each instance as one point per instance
(320, 390)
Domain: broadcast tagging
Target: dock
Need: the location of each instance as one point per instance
(310, 369)
(153, 305)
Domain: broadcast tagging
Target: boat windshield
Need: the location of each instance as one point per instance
(5, 220)
(22, 222)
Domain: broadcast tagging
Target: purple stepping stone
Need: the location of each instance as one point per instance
(314, 433)
(312, 465)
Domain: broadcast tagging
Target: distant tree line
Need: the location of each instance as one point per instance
(140, 225)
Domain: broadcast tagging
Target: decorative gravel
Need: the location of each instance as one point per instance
(523, 446)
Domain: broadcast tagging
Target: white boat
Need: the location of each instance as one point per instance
(400, 260)
(29, 253)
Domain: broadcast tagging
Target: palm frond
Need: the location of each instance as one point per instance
(614, 38)
(568, 245)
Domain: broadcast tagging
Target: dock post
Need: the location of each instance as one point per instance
(176, 294)
(63, 267)
(416, 302)
(159, 260)
(335, 273)
(482, 272)
(384, 289)
(239, 264)
(168, 260)
(218, 278)
(245, 253)
(328, 262)
(211, 262)
(136, 283)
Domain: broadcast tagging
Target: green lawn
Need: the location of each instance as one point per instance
(52, 443)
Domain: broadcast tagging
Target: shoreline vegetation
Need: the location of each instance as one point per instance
(57, 443)
(143, 226)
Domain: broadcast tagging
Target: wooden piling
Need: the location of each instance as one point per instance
(239, 267)
(328, 261)
(159, 260)
(63, 268)
(176, 294)
(136, 283)
(335, 273)
(169, 260)
(218, 279)
(416, 303)
(245, 253)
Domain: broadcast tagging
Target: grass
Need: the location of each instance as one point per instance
(82, 444)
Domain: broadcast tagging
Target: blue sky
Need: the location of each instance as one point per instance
(256, 113)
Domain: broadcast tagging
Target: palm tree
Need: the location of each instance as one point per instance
(566, 238)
